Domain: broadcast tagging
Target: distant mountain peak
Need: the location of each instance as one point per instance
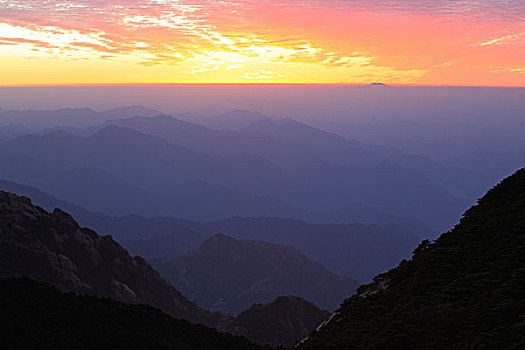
(378, 85)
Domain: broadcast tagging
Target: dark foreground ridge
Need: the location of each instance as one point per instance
(464, 291)
(36, 316)
(53, 248)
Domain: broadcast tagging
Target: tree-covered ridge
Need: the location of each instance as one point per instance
(37, 316)
(465, 290)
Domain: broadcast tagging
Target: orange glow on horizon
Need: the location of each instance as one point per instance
(124, 42)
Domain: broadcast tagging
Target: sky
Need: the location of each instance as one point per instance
(429, 42)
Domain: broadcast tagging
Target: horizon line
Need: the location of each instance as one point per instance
(253, 84)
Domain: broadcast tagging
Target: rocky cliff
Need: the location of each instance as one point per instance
(53, 248)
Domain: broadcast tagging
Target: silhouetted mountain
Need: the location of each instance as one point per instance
(282, 322)
(132, 111)
(37, 316)
(465, 290)
(227, 275)
(352, 249)
(380, 85)
(233, 120)
(53, 248)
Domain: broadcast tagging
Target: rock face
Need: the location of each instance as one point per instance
(53, 248)
(228, 275)
(463, 291)
(282, 322)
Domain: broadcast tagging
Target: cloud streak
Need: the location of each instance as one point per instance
(283, 41)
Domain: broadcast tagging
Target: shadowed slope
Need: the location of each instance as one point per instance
(463, 291)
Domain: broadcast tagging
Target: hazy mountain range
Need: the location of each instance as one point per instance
(309, 170)
(241, 209)
(352, 250)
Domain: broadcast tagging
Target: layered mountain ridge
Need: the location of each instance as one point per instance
(228, 275)
(353, 250)
(301, 166)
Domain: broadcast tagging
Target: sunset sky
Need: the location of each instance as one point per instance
(430, 42)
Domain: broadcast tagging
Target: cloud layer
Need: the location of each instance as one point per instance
(325, 41)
